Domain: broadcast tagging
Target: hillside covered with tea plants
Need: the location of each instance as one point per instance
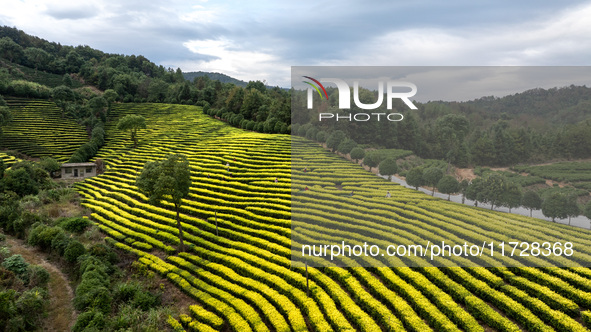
(238, 232)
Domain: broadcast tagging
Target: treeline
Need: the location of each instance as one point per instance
(460, 133)
(136, 79)
(540, 102)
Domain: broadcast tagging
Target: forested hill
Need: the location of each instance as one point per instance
(223, 78)
(572, 101)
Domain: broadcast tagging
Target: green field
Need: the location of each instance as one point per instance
(575, 173)
(39, 130)
(240, 273)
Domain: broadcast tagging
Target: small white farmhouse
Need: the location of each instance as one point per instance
(78, 170)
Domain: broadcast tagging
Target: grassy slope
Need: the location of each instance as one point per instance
(243, 277)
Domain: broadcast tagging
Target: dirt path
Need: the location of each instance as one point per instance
(61, 314)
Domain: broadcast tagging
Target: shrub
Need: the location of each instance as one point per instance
(74, 225)
(17, 265)
(31, 304)
(42, 235)
(4, 252)
(59, 243)
(103, 252)
(39, 277)
(250, 125)
(91, 292)
(7, 279)
(145, 300)
(91, 263)
(48, 196)
(346, 146)
(93, 320)
(24, 222)
(30, 202)
(7, 308)
(74, 250)
(125, 292)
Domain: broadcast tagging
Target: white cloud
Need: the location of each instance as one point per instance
(554, 40)
(199, 15)
(261, 41)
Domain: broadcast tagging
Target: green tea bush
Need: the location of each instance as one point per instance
(74, 250)
(92, 320)
(74, 225)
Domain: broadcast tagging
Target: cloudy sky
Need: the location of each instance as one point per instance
(261, 40)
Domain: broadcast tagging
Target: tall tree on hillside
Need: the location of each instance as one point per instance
(512, 195)
(98, 105)
(388, 167)
(451, 131)
(414, 177)
(132, 123)
(346, 146)
(531, 200)
(370, 160)
(494, 186)
(504, 144)
(572, 208)
(483, 151)
(357, 153)
(62, 96)
(431, 177)
(37, 57)
(253, 100)
(110, 96)
(474, 190)
(167, 179)
(463, 186)
(587, 211)
(10, 50)
(448, 185)
(333, 141)
(235, 99)
(555, 206)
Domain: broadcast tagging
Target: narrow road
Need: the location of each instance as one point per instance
(61, 314)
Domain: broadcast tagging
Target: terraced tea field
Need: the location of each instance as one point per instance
(575, 173)
(238, 230)
(38, 130)
(7, 159)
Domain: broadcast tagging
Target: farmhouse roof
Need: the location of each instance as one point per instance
(78, 164)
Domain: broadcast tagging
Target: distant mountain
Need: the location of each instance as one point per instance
(223, 78)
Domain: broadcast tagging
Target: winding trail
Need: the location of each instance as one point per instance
(61, 314)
